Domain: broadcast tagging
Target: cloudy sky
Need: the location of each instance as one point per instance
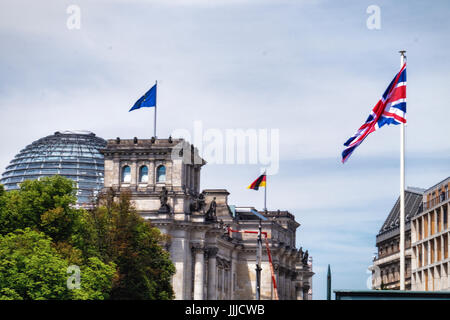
(310, 68)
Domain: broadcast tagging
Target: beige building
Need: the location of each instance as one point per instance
(386, 264)
(430, 241)
(163, 176)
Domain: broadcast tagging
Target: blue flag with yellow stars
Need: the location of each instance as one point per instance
(147, 100)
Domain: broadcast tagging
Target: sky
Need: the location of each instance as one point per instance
(310, 68)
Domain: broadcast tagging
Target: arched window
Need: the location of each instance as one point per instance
(126, 174)
(143, 174)
(161, 174)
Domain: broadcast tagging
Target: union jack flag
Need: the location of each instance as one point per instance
(390, 109)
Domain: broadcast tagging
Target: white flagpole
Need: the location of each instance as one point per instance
(402, 194)
(156, 95)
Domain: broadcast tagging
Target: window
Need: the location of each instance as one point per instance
(445, 217)
(438, 218)
(420, 228)
(126, 174)
(143, 174)
(420, 255)
(161, 174)
(445, 246)
(432, 218)
(438, 249)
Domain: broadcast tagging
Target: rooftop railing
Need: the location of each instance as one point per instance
(442, 197)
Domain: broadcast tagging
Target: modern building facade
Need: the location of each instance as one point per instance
(430, 240)
(73, 154)
(386, 265)
(214, 258)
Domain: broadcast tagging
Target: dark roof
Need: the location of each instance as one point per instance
(413, 204)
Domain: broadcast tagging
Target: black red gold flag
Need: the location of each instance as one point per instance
(260, 182)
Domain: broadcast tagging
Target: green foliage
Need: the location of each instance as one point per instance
(30, 268)
(145, 269)
(42, 233)
(9, 294)
(46, 205)
(96, 280)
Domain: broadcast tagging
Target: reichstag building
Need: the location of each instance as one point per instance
(212, 243)
(163, 177)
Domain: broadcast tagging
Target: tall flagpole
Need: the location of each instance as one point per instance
(156, 95)
(402, 193)
(259, 249)
(265, 194)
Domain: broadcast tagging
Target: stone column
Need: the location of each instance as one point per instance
(151, 173)
(191, 177)
(197, 179)
(448, 276)
(299, 292)
(116, 171)
(276, 266)
(188, 176)
(133, 171)
(223, 293)
(293, 281)
(178, 255)
(281, 283)
(212, 273)
(198, 272)
(288, 284)
(234, 258)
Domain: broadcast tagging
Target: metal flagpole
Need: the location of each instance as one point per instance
(265, 194)
(156, 95)
(402, 193)
(258, 262)
(259, 244)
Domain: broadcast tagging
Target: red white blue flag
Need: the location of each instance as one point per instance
(391, 109)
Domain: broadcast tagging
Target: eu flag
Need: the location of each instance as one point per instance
(147, 100)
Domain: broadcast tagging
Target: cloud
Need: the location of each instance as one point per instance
(310, 68)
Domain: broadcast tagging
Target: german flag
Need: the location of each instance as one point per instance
(260, 182)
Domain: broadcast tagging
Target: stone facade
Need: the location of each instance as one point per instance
(163, 176)
(430, 241)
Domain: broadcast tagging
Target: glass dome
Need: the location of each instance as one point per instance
(72, 154)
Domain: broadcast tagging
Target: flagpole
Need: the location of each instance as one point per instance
(402, 193)
(156, 95)
(265, 194)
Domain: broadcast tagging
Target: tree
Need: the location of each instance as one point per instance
(31, 268)
(145, 269)
(46, 205)
(45, 210)
(97, 279)
(118, 252)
